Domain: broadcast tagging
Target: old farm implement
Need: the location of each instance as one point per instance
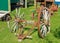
(19, 24)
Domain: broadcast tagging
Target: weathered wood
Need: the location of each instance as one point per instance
(25, 3)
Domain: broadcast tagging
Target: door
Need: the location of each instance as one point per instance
(5, 5)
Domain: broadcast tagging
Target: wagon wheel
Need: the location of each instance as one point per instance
(43, 30)
(13, 25)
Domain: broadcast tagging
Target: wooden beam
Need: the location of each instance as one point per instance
(9, 6)
(25, 3)
(35, 4)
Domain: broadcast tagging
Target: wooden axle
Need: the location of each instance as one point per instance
(35, 24)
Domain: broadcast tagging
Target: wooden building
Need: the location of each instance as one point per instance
(6, 4)
(45, 2)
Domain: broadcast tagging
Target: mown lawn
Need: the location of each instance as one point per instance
(53, 37)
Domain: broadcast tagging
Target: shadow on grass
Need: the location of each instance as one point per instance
(30, 5)
(57, 33)
(32, 31)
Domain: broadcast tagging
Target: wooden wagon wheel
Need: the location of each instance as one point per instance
(42, 29)
(39, 33)
(14, 24)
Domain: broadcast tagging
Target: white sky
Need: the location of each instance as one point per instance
(57, 0)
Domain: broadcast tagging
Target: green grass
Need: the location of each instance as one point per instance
(7, 37)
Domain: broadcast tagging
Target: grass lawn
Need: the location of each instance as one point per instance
(53, 37)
